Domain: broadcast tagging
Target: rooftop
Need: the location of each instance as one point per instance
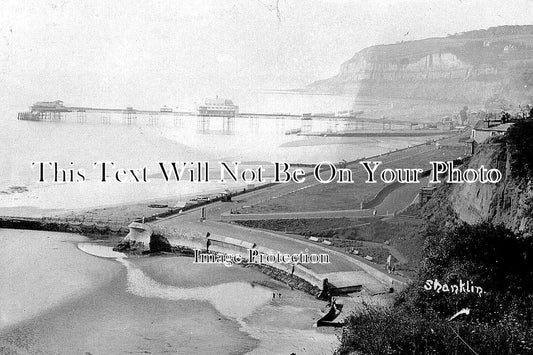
(218, 101)
(496, 126)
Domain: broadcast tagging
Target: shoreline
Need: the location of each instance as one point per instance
(123, 322)
(400, 134)
(274, 274)
(63, 273)
(272, 320)
(283, 324)
(165, 269)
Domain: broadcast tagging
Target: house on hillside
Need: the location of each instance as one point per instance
(486, 129)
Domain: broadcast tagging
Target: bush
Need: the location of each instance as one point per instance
(394, 331)
(520, 146)
(487, 256)
(500, 320)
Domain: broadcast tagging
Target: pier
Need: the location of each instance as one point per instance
(56, 110)
(355, 119)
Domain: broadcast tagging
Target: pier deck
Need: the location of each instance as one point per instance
(55, 110)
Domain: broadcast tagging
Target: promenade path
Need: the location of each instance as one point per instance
(275, 241)
(294, 215)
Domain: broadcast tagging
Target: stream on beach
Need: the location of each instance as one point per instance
(79, 297)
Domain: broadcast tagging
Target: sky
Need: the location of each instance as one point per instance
(117, 53)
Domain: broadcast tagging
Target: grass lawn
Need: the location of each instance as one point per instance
(333, 196)
(367, 236)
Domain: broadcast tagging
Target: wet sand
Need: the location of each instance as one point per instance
(40, 270)
(163, 304)
(282, 325)
(111, 321)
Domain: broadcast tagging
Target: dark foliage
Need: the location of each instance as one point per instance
(394, 331)
(486, 256)
(500, 320)
(520, 145)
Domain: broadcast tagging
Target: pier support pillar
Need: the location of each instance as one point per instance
(228, 125)
(153, 120)
(81, 116)
(104, 118)
(202, 124)
(178, 122)
(129, 117)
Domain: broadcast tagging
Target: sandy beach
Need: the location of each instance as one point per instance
(75, 302)
(280, 318)
(283, 324)
(53, 272)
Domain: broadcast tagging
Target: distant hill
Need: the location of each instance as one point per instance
(467, 67)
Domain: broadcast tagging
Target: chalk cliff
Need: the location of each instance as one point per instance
(472, 66)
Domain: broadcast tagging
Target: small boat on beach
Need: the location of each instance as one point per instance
(293, 131)
(157, 205)
(328, 320)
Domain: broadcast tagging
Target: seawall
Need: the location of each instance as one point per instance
(66, 225)
(179, 238)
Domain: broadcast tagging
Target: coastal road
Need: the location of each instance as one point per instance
(275, 241)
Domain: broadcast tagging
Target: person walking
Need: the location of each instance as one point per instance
(389, 263)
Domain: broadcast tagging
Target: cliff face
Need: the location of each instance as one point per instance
(509, 202)
(473, 66)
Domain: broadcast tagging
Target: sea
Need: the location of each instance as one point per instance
(60, 294)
